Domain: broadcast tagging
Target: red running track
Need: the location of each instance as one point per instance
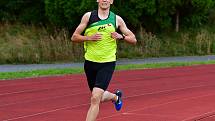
(169, 94)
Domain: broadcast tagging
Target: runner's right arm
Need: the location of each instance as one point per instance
(77, 37)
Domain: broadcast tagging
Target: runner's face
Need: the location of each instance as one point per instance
(105, 4)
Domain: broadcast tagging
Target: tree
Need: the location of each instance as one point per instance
(67, 13)
(23, 11)
(191, 12)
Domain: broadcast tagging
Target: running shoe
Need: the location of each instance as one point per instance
(118, 103)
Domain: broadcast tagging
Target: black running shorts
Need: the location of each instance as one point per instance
(99, 74)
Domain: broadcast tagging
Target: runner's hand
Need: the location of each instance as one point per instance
(95, 37)
(116, 35)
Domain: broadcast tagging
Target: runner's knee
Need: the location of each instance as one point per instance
(95, 99)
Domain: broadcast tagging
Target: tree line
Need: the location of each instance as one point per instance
(152, 15)
(31, 29)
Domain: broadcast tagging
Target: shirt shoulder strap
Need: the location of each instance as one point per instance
(93, 17)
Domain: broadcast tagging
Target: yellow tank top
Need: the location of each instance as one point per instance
(105, 49)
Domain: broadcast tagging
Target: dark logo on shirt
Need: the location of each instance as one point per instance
(103, 28)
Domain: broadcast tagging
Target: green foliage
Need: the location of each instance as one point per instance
(32, 44)
(23, 11)
(87, 5)
(211, 16)
(67, 13)
(154, 15)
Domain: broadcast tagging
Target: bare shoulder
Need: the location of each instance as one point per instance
(119, 21)
(87, 14)
(86, 17)
(83, 23)
(119, 18)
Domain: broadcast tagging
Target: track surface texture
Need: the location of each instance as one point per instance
(168, 94)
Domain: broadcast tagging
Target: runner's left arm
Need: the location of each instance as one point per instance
(128, 35)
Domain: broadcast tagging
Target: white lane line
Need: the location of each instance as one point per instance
(171, 90)
(157, 105)
(35, 90)
(201, 116)
(45, 112)
(126, 98)
(43, 99)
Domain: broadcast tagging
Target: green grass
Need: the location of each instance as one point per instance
(50, 72)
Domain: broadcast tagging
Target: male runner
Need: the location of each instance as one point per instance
(100, 36)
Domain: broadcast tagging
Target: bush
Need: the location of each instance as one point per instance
(31, 44)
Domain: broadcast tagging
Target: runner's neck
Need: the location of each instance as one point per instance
(103, 14)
